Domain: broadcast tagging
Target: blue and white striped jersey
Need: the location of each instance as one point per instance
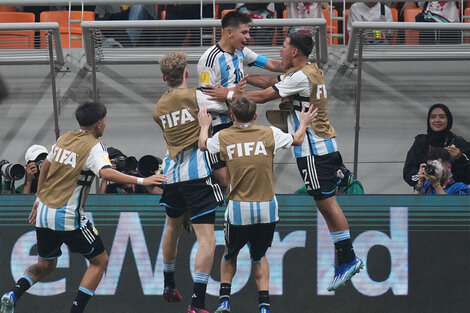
(72, 215)
(297, 83)
(191, 163)
(219, 67)
(247, 213)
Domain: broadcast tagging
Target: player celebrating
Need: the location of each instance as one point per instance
(190, 190)
(252, 210)
(58, 212)
(318, 158)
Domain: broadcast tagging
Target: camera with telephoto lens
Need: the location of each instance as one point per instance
(149, 165)
(11, 171)
(434, 168)
(125, 164)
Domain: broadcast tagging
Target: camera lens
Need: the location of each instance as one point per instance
(430, 169)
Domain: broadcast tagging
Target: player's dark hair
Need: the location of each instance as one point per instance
(244, 109)
(438, 153)
(89, 113)
(234, 19)
(302, 42)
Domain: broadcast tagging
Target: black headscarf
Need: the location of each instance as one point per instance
(439, 139)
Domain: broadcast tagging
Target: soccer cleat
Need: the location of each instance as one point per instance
(224, 307)
(171, 294)
(344, 272)
(196, 310)
(264, 310)
(8, 302)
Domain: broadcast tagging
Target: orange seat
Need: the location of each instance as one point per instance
(225, 12)
(326, 15)
(62, 17)
(8, 8)
(411, 36)
(16, 39)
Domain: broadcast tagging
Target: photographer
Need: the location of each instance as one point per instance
(126, 165)
(34, 157)
(435, 176)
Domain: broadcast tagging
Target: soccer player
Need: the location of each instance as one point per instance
(58, 212)
(318, 158)
(222, 64)
(252, 210)
(190, 190)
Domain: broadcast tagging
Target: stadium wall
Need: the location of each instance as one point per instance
(416, 248)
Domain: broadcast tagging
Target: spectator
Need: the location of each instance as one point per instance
(438, 135)
(34, 157)
(371, 12)
(260, 10)
(191, 36)
(118, 12)
(438, 12)
(435, 176)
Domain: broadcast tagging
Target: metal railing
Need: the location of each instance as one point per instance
(373, 41)
(18, 46)
(108, 42)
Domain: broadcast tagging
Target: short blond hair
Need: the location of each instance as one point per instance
(172, 66)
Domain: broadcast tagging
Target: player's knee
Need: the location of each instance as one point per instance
(47, 266)
(100, 260)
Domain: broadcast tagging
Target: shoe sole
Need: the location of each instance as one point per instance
(348, 277)
(7, 305)
(222, 310)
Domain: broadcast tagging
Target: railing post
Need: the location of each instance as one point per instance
(357, 126)
(53, 85)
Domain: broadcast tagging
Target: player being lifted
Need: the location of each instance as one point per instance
(223, 65)
(318, 158)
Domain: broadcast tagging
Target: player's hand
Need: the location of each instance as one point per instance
(240, 87)
(156, 179)
(32, 215)
(455, 153)
(308, 117)
(205, 119)
(218, 93)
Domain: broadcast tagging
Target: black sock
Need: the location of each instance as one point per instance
(344, 251)
(169, 279)
(21, 286)
(199, 296)
(224, 292)
(263, 298)
(80, 302)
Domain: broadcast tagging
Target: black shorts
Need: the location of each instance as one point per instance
(200, 196)
(85, 240)
(259, 238)
(319, 173)
(215, 160)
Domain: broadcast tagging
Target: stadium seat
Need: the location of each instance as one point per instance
(16, 39)
(326, 15)
(411, 36)
(8, 8)
(62, 17)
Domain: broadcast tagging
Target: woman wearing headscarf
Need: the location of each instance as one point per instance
(438, 135)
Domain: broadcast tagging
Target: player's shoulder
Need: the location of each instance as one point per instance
(210, 56)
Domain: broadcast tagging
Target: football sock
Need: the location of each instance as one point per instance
(81, 300)
(169, 274)
(224, 292)
(263, 298)
(344, 249)
(23, 284)
(199, 291)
